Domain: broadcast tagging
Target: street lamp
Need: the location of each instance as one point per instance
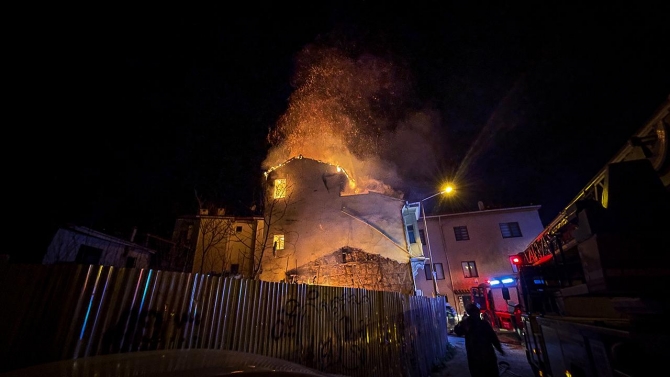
(448, 190)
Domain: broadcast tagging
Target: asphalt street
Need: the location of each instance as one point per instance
(515, 355)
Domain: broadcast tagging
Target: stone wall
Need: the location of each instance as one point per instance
(349, 267)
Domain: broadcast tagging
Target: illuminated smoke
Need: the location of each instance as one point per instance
(351, 111)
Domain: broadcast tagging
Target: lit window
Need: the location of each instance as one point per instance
(278, 242)
(410, 234)
(439, 271)
(461, 233)
(280, 188)
(469, 269)
(510, 230)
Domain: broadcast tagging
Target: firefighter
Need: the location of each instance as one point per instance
(481, 342)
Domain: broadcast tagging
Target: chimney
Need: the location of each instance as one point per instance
(133, 234)
(480, 204)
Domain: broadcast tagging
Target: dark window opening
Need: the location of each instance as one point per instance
(439, 271)
(461, 233)
(510, 230)
(131, 262)
(422, 235)
(88, 255)
(410, 233)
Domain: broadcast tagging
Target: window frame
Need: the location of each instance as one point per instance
(469, 266)
(279, 240)
(422, 236)
(279, 188)
(458, 232)
(87, 254)
(429, 276)
(512, 228)
(411, 234)
(234, 268)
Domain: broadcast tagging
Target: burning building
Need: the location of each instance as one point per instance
(322, 231)
(334, 217)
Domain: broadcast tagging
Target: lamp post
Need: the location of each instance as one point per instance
(447, 190)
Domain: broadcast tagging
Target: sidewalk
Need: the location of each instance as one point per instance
(515, 355)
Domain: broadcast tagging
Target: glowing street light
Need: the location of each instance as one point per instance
(449, 189)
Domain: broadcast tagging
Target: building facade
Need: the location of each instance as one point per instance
(77, 244)
(318, 233)
(474, 248)
(213, 243)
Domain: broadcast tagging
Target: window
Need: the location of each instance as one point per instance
(439, 271)
(280, 188)
(461, 233)
(469, 269)
(422, 235)
(234, 269)
(510, 230)
(278, 242)
(130, 262)
(410, 233)
(238, 229)
(88, 255)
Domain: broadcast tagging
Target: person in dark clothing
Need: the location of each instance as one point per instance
(480, 343)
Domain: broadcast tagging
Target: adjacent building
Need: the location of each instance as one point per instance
(78, 244)
(473, 249)
(217, 244)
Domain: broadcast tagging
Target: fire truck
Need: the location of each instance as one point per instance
(592, 286)
(499, 304)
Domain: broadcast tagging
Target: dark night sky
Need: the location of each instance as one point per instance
(121, 114)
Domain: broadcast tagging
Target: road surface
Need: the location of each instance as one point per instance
(515, 355)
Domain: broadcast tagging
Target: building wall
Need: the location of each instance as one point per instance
(219, 244)
(486, 247)
(68, 243)
(318, 222)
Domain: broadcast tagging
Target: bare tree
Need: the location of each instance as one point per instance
(213, 237)
(214, 233)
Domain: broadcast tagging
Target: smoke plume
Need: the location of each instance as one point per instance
(357, 111)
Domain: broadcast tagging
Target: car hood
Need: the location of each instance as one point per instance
(172, 363)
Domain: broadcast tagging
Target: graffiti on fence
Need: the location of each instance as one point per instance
(286, 325)
(347, 318)
(139, 330)
(335, 353)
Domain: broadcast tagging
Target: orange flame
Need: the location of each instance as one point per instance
(338, 114)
